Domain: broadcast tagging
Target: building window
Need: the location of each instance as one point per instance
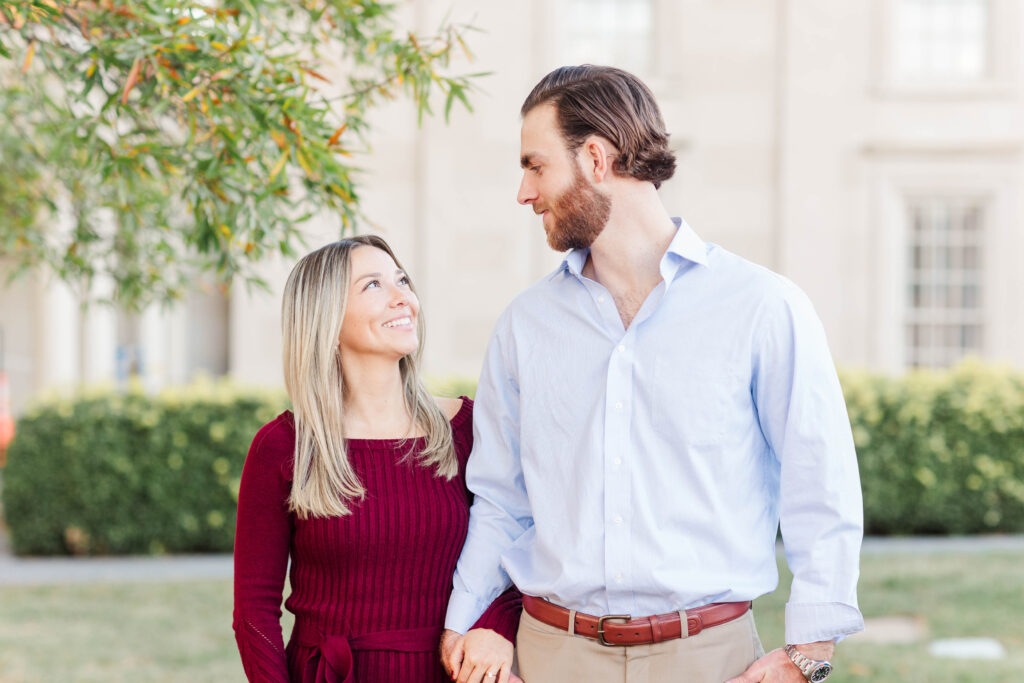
(942, 40)
(612, 32)
(944, 288)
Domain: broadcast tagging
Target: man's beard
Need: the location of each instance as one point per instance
(580, 214)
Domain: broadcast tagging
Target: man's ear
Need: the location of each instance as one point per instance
(598, 155)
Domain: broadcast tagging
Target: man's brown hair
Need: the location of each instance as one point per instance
(602, 100)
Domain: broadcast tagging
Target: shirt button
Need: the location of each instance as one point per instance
(618, 519)
(618, 578)
(600, 299)
(618, 406)
(622, 347)
(618, 461)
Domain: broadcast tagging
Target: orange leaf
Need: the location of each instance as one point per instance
(337, 134)
(316, 75)
(28, 57)
(341, 193)
(133, 77)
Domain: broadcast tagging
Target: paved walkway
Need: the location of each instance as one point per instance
(33, 571)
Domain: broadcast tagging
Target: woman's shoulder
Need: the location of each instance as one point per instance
(455, 409)
(275, 441)
(451, 407)
(462, 426)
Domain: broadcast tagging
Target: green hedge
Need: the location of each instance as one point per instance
(940, 452)
(130, 473)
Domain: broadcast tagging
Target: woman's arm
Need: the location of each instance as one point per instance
(503, 615)
(262, 540)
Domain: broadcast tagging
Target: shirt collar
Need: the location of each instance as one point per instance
(686, 245)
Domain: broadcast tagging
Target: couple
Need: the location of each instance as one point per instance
(646, 416)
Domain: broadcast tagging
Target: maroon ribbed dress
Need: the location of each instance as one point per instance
(374, 583)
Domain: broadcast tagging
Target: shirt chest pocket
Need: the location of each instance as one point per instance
(694, 406)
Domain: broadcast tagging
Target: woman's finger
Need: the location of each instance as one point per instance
(455, 657)
(479, 675)
(467, 668)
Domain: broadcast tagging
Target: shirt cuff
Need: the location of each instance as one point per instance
(463, 611)
(810, 622)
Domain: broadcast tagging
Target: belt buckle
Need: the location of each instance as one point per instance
(600, 626)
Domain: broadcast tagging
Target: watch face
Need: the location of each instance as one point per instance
(821, 673)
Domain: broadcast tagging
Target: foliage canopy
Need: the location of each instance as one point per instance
(147, 141)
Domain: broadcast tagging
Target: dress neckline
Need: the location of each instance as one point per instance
(464, 412)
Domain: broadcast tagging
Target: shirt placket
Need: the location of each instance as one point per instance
(617, 480)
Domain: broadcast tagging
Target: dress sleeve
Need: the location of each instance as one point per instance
(262, 541)
(503, 615)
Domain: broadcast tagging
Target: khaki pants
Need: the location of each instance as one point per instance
(548, 655)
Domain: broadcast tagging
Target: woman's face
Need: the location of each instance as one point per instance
(381, 311)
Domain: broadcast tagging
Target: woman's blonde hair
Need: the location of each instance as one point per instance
(312, 312)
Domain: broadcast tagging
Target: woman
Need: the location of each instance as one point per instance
(362, 486)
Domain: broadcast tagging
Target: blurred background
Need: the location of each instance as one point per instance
(871, 151)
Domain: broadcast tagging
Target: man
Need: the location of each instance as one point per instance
(645, 416)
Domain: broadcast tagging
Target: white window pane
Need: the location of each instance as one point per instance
(940, 39)
(944, 290)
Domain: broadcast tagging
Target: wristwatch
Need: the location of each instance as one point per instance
(813, 670)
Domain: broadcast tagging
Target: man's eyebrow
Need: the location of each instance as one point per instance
(526, 160)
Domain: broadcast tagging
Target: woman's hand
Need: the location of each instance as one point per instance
(477, 654)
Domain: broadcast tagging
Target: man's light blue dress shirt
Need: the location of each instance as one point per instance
(645, 470)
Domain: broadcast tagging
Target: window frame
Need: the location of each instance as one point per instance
(998, 81)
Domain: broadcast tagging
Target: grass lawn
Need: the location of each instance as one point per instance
(181, 631)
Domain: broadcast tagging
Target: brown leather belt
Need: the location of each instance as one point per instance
(622, 629)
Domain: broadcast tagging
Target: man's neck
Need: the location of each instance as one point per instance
(626, 256)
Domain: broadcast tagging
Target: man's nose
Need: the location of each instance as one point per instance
(527, 191)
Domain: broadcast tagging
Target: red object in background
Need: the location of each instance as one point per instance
(6, 421)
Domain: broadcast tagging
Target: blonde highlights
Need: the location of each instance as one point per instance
(312, 312)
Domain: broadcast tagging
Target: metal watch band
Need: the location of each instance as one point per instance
(812, 670)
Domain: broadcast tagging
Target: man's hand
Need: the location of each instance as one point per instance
(777, 667)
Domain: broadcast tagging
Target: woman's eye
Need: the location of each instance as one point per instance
(404, 280)
(371, 283)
